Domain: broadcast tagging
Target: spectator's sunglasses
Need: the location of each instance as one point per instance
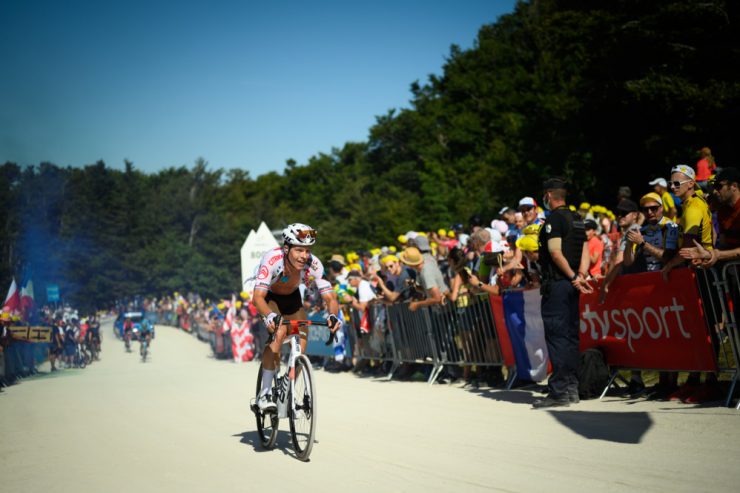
(302, 234)
(677, 184)
(651, 208)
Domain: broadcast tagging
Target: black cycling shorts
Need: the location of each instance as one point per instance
(288, 304)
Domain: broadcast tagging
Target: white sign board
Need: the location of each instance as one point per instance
(256, 244)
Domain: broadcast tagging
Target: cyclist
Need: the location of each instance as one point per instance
(145, 335)
(128, 330)
(277, 294)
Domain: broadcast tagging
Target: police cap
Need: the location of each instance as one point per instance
(555, 184)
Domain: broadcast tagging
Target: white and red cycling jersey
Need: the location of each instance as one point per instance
(272, 266)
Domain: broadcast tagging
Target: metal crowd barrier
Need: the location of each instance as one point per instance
(720, 291)
(455, 334)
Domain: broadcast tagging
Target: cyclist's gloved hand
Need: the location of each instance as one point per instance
(271, 320)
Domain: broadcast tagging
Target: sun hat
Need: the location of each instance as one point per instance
(685, 169)
(411, 256)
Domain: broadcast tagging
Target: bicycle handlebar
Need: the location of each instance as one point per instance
(295, 324)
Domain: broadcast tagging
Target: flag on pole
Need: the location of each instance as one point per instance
(13, 299)
(27, 299)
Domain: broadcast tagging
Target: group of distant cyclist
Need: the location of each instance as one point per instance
(144, 336)
(75, 343)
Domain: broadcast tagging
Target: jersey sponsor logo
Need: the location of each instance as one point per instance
(274, 259)
(548, 228)
(263, 273)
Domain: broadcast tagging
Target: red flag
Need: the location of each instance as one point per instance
(13, 299)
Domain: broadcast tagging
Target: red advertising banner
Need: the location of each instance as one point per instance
(648, 323)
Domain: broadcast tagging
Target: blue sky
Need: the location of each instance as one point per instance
(242, 84)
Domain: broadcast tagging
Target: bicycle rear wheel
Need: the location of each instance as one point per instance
(303, 419)
(267, 423)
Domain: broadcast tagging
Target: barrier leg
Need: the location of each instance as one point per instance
(615, 374)
(512, 379)
(436, 370)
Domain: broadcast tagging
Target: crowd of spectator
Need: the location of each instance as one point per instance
(692, 215)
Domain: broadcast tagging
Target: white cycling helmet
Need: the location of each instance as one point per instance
(298, 234)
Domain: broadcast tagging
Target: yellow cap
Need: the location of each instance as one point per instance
(376, 251)
(585, 205)
(392, 248)
(450, 234)
(651, 197)
(220, 306)
(572, 207)
(421, 233)
(442, 232)
(402, 239)
(388, 258)
(238, 304)
(354, 267)
(527, 243)
(244, 295)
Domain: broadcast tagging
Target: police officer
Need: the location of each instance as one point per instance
(564, 260)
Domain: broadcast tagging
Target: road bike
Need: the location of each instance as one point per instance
(144, 349)
(293, 391)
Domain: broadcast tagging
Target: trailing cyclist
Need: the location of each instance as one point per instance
(277, 296)
(145, 337)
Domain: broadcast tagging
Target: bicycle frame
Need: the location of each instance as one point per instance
(292, 338)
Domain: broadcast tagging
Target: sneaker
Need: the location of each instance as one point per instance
(703, 393)
(573, 398)
(265, 403)
(550, 402)
(635, 389)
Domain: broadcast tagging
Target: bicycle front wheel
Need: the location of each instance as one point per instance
(267, 423)
(303, 418)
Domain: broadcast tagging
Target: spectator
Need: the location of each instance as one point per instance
(705, 167)
(647, 250)
(660, 186)
(696, 221)
(696, 228)
(396, 287)
(528, 245)
(528, 208)
(430, 277)
(627, 214)
(363, 289)
(595, 249)
(623, 193)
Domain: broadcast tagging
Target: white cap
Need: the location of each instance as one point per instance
(685, 169)
(503, 209)
(528, 202)
(659, 181)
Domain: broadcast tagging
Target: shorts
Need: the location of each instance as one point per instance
(288, 304)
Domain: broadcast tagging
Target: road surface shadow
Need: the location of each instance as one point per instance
(512, 396)
(608, 426)
(284, 443)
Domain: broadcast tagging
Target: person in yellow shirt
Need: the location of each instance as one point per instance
(696, 220)
(669, 205)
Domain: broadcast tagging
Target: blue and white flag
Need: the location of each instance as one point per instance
(527, 333)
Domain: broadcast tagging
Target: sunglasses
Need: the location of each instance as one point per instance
(302, 234)
(651, 208)
(526, 209)
(677, 184)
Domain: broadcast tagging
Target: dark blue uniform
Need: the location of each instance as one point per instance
(560, 310)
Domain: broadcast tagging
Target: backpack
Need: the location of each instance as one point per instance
(593, 374)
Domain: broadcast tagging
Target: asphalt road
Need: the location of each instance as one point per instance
(180, 423)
